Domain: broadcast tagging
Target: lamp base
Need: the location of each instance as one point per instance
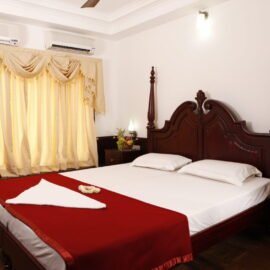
(133, 134)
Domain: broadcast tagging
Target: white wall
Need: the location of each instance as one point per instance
(231, 65)
(29, 36)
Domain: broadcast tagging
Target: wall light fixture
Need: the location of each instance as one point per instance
(203, 23)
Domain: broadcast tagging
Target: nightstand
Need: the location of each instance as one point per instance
(113, 156)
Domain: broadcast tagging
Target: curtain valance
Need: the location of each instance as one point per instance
(28, 63)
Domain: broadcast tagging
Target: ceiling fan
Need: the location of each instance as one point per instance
(90, 3)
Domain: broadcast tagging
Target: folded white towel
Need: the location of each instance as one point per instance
(89, 189)
(47, 193)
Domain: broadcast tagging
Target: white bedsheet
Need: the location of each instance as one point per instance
(204, 202)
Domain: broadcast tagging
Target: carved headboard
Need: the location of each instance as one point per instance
(207, 129)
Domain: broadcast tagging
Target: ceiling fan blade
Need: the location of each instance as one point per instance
(90, 3)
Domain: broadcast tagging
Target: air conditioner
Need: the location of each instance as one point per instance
(72, 47)
(9, 41)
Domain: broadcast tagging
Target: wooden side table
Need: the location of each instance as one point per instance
(114, 156)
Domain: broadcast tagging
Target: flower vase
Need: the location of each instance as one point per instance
(120, 147)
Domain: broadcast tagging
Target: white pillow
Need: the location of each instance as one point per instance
(166, 162)
(225, 171)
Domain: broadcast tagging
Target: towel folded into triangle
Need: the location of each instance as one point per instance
(47, 193)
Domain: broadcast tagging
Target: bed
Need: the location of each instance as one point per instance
(206, 129)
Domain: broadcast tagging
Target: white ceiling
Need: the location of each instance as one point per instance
(109, 6)
(105, 9)
(109, 19)
(104, 6)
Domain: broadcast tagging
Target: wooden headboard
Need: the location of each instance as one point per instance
(207, 129)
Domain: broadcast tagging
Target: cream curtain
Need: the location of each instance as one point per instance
(47, 102)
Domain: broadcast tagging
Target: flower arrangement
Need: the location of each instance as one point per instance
(123, 142)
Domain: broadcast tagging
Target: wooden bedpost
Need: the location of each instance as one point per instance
(151, 106)
(151, 112)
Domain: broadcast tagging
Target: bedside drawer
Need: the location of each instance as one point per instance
(113, 156)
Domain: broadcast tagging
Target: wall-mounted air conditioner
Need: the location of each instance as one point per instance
(72, 47)
(71, 42)
(9, 41)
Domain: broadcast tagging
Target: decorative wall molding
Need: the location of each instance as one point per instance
(135, 16)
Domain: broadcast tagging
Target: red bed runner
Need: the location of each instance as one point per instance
(128, 234)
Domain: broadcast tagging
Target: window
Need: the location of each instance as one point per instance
(46, 111)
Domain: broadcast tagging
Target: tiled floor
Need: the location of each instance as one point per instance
(249, 250)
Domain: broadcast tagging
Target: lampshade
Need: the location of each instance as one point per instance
(131, 126)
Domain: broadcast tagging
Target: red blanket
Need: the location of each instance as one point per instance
(128, 234)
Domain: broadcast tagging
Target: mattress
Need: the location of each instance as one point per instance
(205, 202)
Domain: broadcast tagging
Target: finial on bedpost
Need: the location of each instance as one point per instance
(151, 106)
(200, 100)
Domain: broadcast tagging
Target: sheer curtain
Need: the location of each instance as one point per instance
(46, 111)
